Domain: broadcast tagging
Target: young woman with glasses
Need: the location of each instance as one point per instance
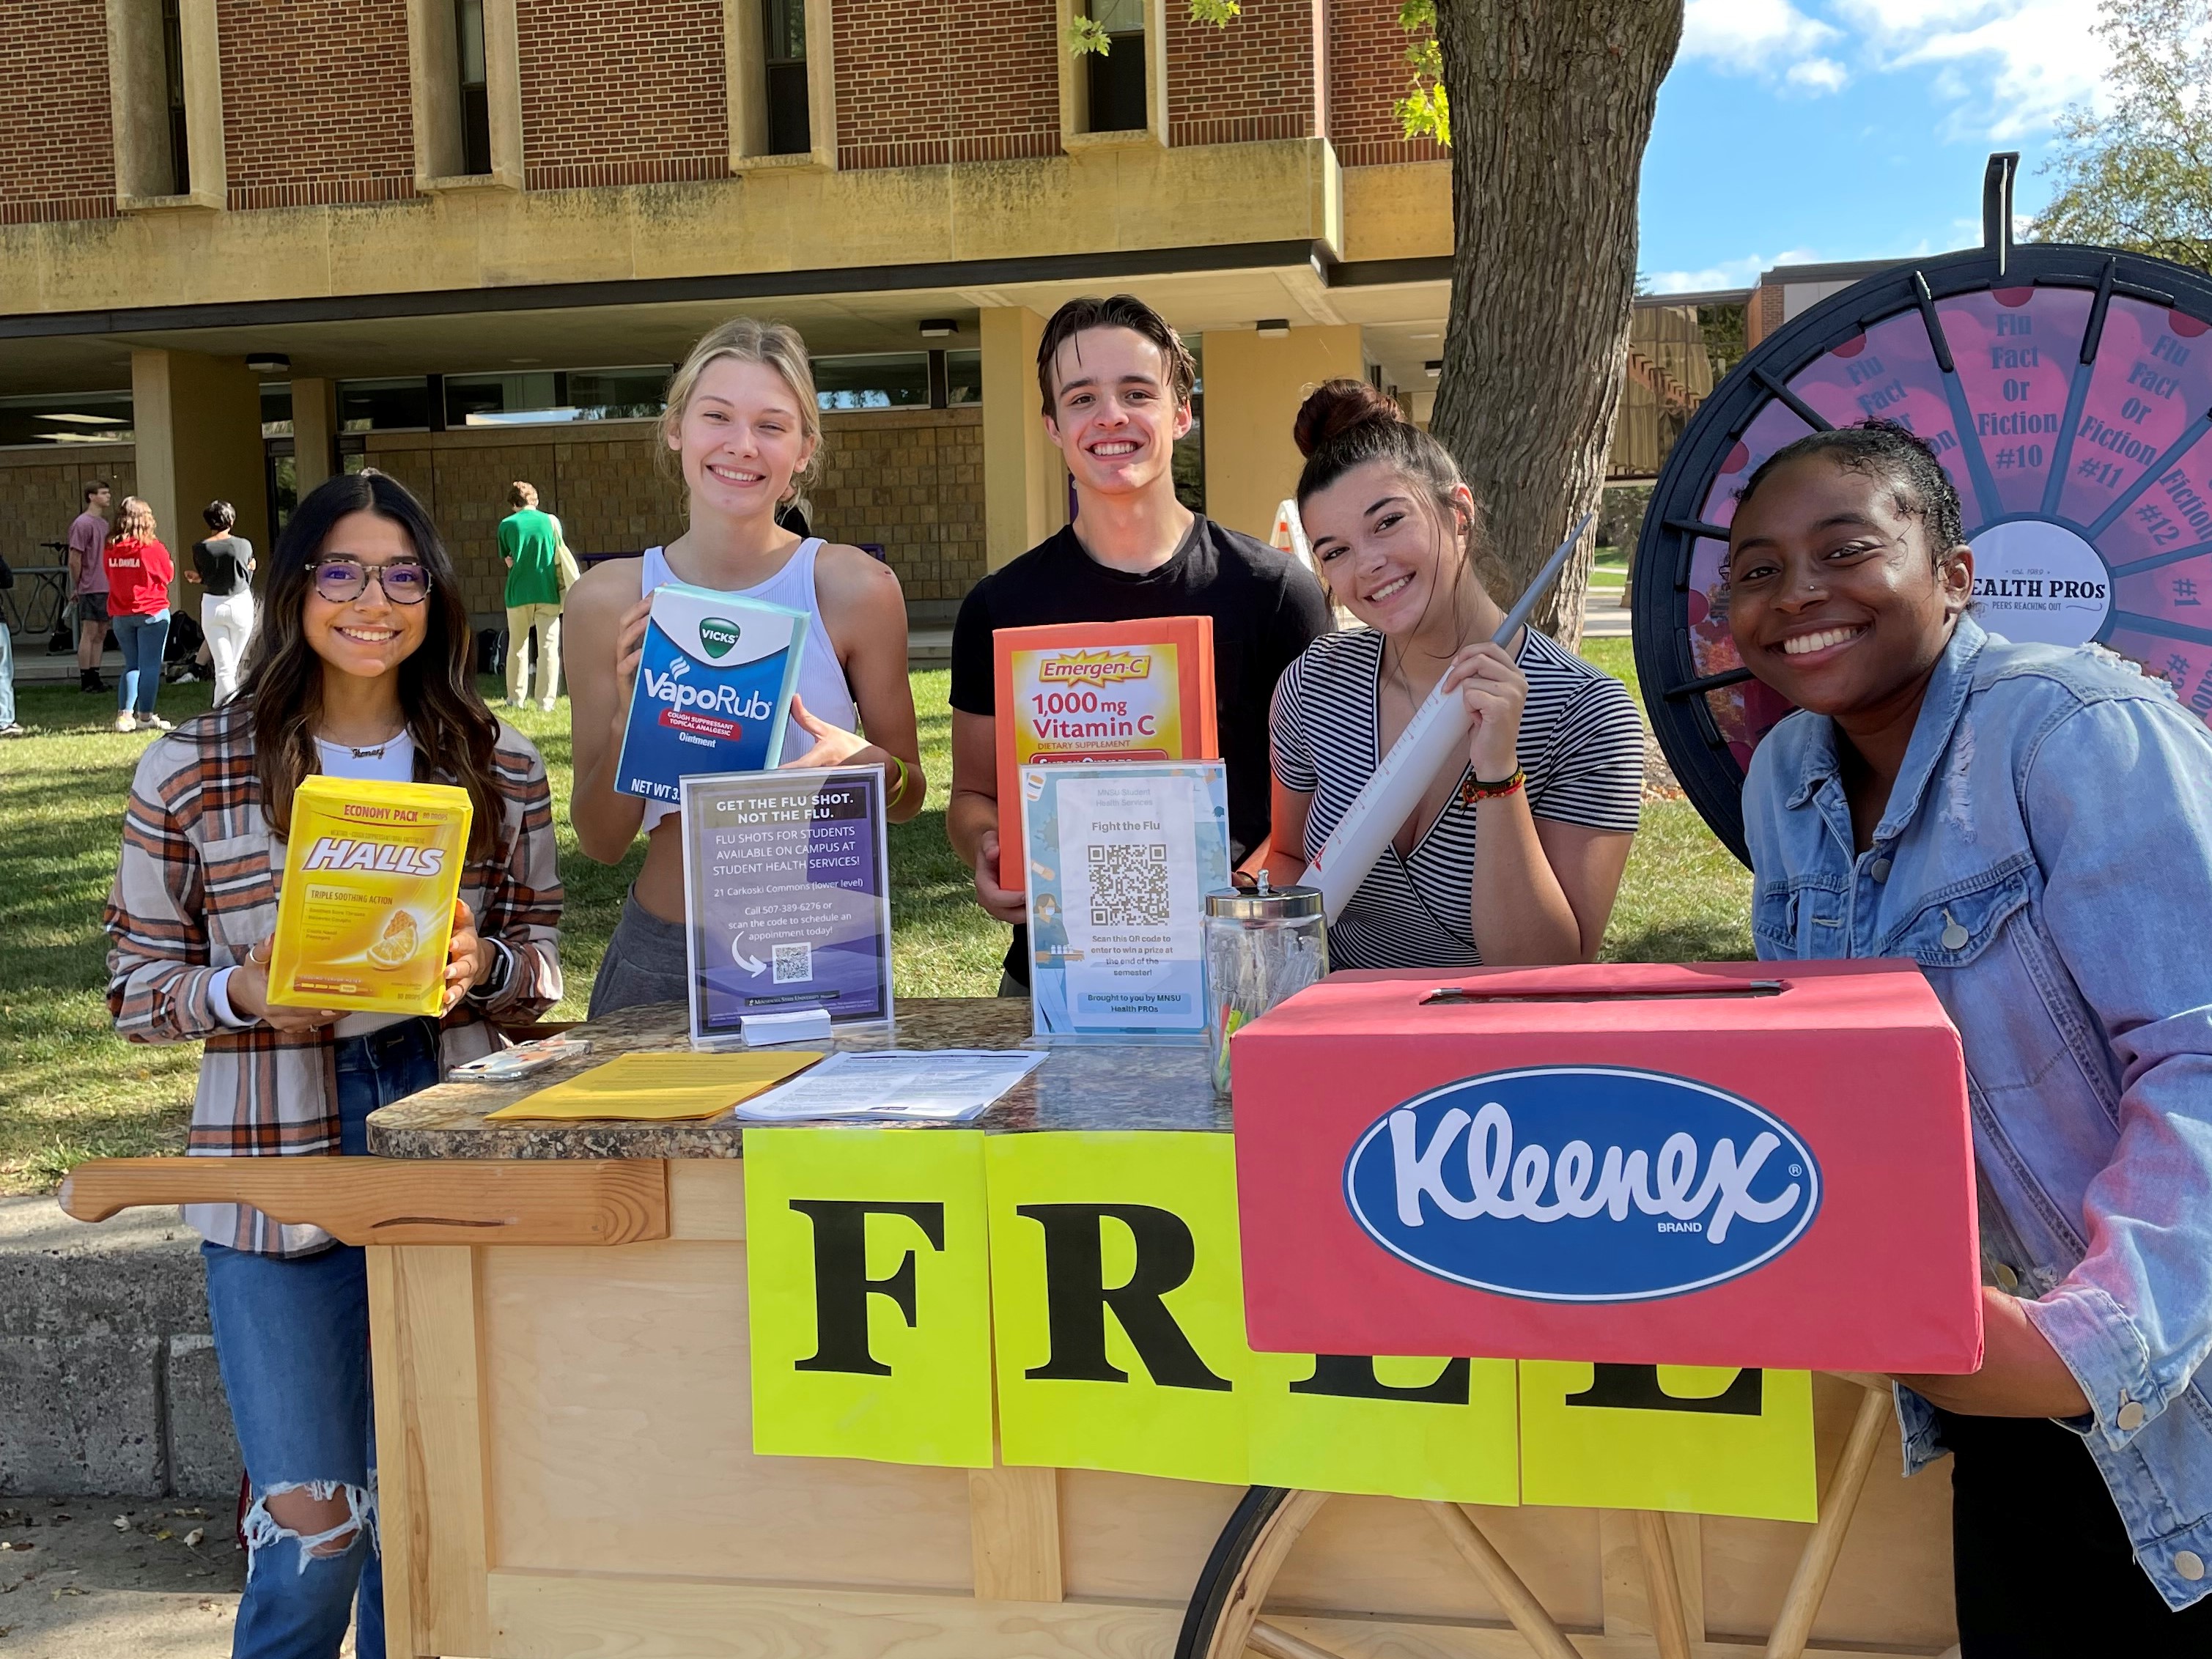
(362, 668)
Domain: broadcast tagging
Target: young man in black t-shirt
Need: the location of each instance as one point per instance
(1116, 382)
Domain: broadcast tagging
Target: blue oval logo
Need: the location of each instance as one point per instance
(1581, 1183)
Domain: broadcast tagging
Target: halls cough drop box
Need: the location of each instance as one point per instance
(1763, 1164)
(366, 911)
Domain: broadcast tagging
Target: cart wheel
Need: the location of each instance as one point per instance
(1224, 1620)
(1218, 1623)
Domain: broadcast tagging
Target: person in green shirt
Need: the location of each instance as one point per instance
(530, 545)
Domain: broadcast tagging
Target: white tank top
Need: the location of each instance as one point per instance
(821, 678)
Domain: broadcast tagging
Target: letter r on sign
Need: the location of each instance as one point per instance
(1078, 1299)
(841, 1284)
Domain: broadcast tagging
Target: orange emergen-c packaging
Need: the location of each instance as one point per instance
(1099, 691)
(366, 910)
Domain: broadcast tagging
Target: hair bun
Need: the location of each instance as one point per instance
(1334, 408)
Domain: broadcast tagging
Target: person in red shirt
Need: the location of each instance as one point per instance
(139, 572)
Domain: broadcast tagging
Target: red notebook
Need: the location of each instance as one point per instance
(1099, 691)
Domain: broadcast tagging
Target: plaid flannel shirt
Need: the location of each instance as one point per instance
(197, 887)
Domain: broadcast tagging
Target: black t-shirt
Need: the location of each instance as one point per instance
(1266, 608)
(222, 561)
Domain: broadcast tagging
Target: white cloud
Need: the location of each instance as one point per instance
(1818, 74)
(2006, 67)
(1768, 36)
(1729, 273)
(1997, 69)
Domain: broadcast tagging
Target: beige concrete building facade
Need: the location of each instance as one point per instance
(380, 284)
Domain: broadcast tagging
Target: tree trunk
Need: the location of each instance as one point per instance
(1551, 104)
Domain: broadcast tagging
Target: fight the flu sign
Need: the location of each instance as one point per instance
(1085, 1292)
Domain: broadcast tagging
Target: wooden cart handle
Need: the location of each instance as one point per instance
(398, 1200)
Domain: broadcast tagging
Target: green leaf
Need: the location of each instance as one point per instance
(1086, 34)
(1426, 110)
(1216, 12)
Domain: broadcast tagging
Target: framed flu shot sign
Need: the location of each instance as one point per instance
(787, 889)
(1119, 857)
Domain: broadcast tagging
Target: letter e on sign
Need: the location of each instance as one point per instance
(1700, 1439)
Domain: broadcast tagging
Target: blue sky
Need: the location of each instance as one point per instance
(1797, 131)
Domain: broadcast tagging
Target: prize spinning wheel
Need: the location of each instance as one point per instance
(2068, 391)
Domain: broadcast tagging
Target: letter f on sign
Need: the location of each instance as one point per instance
(841, 1284)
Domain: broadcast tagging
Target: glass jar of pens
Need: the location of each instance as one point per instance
(1262, 945)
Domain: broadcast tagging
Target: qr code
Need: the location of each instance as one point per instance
(1129, 886)
(794, 963)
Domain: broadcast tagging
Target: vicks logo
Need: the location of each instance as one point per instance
(718, 635)
(1581, 1183)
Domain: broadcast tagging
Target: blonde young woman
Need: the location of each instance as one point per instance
(741, 426)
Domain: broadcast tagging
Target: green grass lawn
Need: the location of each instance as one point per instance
(70, 1089)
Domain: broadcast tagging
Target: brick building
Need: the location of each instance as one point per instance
(245, 242)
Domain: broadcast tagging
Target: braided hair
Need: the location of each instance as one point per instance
(1899, 456)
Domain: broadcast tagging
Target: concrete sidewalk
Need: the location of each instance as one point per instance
(74, 1584)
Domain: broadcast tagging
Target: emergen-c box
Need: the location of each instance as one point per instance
(713, 688)
(1720, 1163)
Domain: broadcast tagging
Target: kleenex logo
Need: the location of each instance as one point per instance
(1581, 1183)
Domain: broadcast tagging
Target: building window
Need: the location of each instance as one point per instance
(172, 81)
(390, 405)
(276, 408)
(50, 419)
(1116, 77)
(886, 380)
(963, 378)
(783, 40)
(555, 398)
(475, 81)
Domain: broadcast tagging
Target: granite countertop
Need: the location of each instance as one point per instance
(1079, 1086)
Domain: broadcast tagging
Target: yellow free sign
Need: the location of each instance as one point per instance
(1089, 1287)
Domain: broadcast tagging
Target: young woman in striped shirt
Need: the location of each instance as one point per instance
(1514, 858)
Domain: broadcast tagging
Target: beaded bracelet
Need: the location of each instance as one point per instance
(1473, 790)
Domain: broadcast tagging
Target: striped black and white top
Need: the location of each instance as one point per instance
(1582, 746)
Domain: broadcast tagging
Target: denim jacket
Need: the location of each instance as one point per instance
(2046, 858)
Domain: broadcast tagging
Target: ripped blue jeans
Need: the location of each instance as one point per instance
(291, 1337)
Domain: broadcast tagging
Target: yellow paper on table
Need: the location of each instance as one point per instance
(366, 909)
(660, 1088)
(1698, 1439)
(868, 1272)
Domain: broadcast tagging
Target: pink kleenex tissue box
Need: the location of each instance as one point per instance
(1724, 1164)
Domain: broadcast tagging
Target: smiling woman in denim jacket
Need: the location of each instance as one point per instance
(2033, 826)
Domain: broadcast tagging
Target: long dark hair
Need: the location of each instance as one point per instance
(282, 686)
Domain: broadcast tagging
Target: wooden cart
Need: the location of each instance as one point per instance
(559, 1329)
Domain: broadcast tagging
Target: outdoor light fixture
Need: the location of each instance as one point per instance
(938, 328)
(1434, 366)
(1274, 328)
(267, 363)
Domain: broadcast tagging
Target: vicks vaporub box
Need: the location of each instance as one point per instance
(713, 688)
